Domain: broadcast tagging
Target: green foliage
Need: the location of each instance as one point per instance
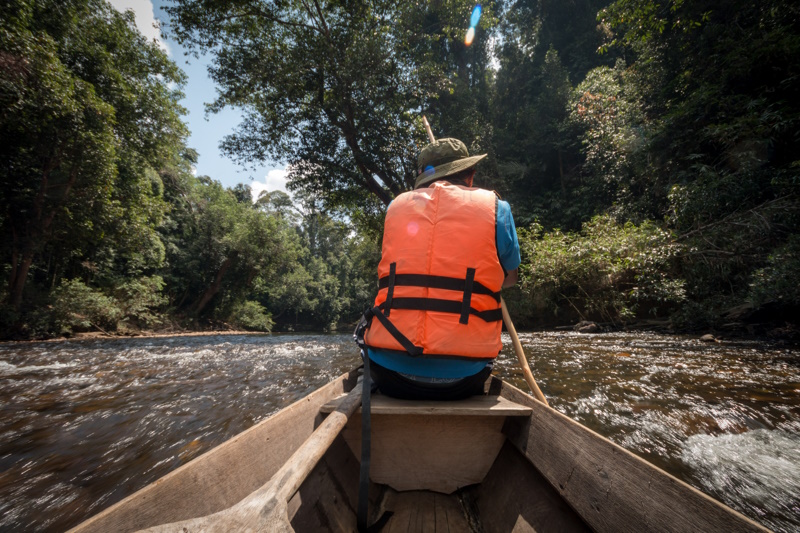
(221, 247)
(613, 138)
(334, 280)
(609, 271)
(547, 48)
(779, 280)
(139, 300)
(335, 89)
(89, 115)
(250, 315)
(292, 293)
(77, 306)
(717, 81)
(58, 145)
(696, 129)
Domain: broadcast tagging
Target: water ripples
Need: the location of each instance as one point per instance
(724, 417)
(85, 423)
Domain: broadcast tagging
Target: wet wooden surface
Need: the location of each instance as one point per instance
(423, 512)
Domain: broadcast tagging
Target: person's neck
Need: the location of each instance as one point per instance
(460, 183)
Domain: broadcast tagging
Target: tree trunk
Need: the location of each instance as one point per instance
(14, 260)
(35, 230)
(21, 274)
(349, 131)
(213, 289)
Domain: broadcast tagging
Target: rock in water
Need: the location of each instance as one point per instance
(584, 326)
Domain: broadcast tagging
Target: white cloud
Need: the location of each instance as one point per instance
(275, 180)
(145, 18)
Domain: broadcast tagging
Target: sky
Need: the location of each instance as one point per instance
(206, 131)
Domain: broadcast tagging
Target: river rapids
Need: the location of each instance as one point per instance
(85, 423)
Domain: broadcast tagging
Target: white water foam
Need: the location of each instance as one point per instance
(9, 369)
(760, 467)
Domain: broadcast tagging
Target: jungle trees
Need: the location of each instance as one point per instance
(89, 113)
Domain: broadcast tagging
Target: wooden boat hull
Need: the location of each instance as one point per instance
(443, 467)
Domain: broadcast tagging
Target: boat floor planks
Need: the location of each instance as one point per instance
(423, 512)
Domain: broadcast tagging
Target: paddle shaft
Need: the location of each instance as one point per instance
(428, 129)
(523, 362)
(266, 509)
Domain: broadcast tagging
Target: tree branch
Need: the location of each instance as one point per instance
(785, 200)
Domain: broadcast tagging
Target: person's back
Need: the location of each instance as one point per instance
(448, 248)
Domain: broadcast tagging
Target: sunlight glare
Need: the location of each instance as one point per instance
(470, 36)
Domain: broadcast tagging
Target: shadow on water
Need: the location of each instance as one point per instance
(86, 423)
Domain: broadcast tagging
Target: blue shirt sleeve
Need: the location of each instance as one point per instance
(507, 243)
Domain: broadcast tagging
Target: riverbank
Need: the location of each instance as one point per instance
(786, 333)
(782, 332)
(88, 335)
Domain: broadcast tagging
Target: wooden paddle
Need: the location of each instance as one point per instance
(523, 362)
(266, 509)
(428, 129)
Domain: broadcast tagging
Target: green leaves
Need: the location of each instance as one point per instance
(76, 306)
(251, 315)
(89, 117)
(609, 271)
(334, 89)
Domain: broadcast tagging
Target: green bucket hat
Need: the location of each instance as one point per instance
(441, 158)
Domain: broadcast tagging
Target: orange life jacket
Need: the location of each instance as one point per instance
(439, 275)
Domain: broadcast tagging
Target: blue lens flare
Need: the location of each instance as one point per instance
(476, 16)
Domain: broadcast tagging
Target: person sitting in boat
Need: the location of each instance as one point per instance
(448, 249)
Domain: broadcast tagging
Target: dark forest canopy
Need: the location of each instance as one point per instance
(648, 149)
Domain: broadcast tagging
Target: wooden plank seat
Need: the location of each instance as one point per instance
(473, 406)
(428, 445)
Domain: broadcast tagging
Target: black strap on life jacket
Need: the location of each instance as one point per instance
(362, 513)
(392, 283)
(433, 282)
(442, 306)
(467, 286)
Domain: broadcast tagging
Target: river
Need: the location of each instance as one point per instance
(86, 423)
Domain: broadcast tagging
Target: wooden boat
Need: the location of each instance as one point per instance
(499, 462)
